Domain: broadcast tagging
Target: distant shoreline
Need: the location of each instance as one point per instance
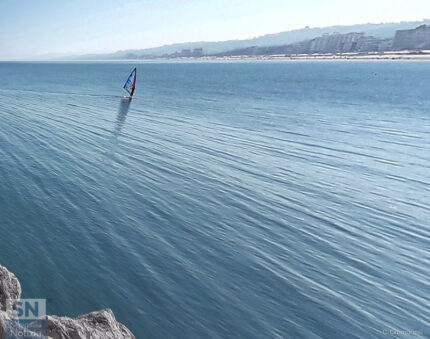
(383, 56)
(407, 55)
(386, 56)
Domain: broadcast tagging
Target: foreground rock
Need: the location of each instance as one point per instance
(96, 325)
(10, 288)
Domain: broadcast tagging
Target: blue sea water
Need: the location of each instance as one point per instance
(234, 199)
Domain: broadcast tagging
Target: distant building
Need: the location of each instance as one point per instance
(385, 45)
(418, 38)
(348, 43)
(336, 43)
(197, 52)
(369, 44)
(186, 53)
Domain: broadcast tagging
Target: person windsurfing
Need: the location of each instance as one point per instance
(130, 84)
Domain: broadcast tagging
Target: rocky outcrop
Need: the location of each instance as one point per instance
(10, 288)
(96, 325)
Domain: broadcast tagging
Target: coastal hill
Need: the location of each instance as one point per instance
(196, 49)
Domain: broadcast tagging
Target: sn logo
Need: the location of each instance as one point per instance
(27, 309)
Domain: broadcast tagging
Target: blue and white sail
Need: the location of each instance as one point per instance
(130, 84)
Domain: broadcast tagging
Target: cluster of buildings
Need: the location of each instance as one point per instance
(347, 43)
(410, 39)
(186, 53)
(328, 43)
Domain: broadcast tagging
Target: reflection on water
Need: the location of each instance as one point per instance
(124, 106)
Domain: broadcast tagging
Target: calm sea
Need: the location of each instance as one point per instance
(235, 200)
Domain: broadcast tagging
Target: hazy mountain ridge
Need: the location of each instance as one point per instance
(382, 30)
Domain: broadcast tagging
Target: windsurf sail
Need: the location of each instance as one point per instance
(130, 84)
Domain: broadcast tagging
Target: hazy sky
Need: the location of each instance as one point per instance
(33, 27)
